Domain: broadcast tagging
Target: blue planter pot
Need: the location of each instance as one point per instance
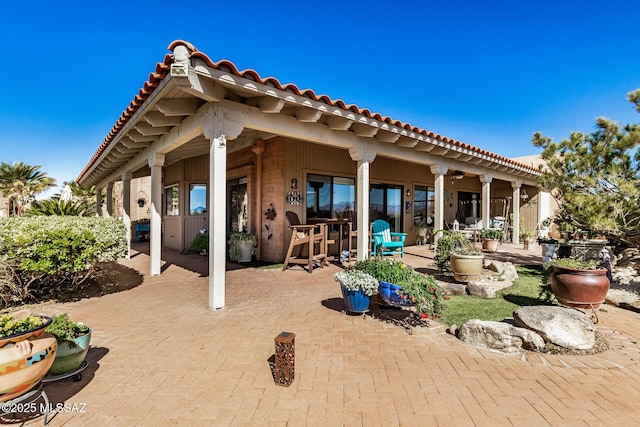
(395, 293)
(356, 301)
(385, 290)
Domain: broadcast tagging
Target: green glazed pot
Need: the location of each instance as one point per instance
(69, 359)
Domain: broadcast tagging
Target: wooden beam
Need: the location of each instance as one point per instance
(178, 106)
(270, 104)
(307, 115)
(201, 87)
(364, 130)
(405, 141)
(138, 137)
(148, 130)
(338, 123)
(156, 118)
(387, 136)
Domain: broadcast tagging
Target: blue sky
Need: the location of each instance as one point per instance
(486, 73)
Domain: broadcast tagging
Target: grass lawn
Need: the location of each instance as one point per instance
(525, 291)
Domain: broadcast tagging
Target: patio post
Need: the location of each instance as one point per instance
(109, 198)
(363, 155)
(486, 199)
(515, 237)
(156, 162)
(258, 149)
(126, 209)
(438, 171)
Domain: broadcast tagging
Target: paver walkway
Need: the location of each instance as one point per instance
(160, 357)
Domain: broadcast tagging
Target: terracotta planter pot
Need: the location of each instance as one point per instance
(490, 245)
(579, 288)
(466, 268)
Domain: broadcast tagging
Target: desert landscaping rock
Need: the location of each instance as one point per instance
(481, 289)
(499, 336)
(621, 296)
(456, 288)
(506, 270)
(561, 326)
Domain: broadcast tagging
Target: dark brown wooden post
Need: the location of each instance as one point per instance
(285, 369)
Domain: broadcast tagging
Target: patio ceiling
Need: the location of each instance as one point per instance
(164, 117)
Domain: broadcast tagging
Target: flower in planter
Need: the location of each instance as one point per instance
(356, 280)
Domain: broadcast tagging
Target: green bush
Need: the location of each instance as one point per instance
(47, 254)
(491, 234)
(386, 270)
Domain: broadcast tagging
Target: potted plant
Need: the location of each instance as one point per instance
(357, 289)
(549, 246)
(26, 353)
(421, 226)
(580, 284)
(389, 273)
(73, 343)
(456, 252)
(402, 285)
(242, 246)
(526, 235)
(490, 239)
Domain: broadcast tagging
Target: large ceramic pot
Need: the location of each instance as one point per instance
(70, 358)
(24, 363)
(466, 268)
(490, 245)
(579, 288)
(356, 301)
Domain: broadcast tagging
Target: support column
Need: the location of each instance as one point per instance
(126, 209)
(156, 162)
(110, 199)
(99, 201)
(438, 171)
(363, 155)
(515, 237)
(258, 149)
(486, 200)
(544, 206)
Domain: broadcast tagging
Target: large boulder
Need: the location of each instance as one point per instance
(506, 270)
(499, 336)
(481, 289)
(621, 296)
(561, 326)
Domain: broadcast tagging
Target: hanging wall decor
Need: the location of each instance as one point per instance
(295, 198)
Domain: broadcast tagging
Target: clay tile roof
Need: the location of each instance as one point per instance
(162, 70)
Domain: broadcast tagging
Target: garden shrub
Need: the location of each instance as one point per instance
(46, 255)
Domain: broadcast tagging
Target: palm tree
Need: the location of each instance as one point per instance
(57, 207)
(20, 183)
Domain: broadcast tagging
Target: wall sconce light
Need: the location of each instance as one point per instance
(524, 195)
(294, 183)
(408, 193)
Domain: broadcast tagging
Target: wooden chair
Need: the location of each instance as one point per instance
(305, 235)
(350, 232)
(384, 241)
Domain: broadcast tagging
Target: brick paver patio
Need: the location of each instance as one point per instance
(160, 357)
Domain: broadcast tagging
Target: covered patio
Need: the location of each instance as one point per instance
(223, 147)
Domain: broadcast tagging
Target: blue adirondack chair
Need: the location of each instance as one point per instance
(386, 242)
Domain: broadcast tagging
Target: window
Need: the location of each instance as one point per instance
(469, 205)
(197, 199)
(172, 200)
(237, 205)
(330, 197)
(423, 204)
(385, 202)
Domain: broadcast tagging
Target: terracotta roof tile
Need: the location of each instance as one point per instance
(162, 70)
